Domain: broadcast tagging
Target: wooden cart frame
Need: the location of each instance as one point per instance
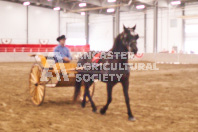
(38, 81)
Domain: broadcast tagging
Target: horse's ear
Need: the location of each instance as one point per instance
(137, 36)
(124, 27)
(134, 28)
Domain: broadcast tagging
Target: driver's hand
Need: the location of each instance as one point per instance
(66, 59)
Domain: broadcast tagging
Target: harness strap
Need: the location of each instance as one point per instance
(96, 58)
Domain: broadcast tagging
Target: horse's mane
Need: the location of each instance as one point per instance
(116, 44)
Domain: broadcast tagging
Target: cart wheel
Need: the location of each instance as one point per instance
(36, 86)
(91, 91)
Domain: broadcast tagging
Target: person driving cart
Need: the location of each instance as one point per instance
(62, 53)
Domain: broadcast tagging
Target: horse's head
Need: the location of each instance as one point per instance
(129, 39)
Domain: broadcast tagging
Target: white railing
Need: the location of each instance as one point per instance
(25, 49)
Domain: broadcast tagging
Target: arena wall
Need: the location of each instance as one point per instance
(101, 32)
(151, 57)
(43, 24)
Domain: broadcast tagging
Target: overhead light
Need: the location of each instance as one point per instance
(82, 13)
(82, 4)
(56, 8)
(178, 2)
(111, 1)
(26, 3)
(140, 7)
(110, 10)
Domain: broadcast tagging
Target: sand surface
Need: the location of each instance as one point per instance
(161, 101)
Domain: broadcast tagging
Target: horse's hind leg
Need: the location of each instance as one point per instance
(125, 85)
(84, 96)
(109, 98)
(84, 100)
(77, 90)
(88, 95)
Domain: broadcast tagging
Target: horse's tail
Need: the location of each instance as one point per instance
(77, 90)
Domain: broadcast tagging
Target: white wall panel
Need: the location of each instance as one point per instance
(43, 24)
(169, 30)
(69, 18)
(101, 32)
(163, 28)
(73, 26)
(175, 32)
(149, 31)
(13, 22)
(191, 9)
(191, 29)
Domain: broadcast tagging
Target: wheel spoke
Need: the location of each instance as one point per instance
(32, 91)
(34, 96)
(36, 73)
(39, 97)
(36, 89)
(40, 89)
(33, 79)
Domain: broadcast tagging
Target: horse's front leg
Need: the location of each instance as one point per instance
(109, 98)
(125, 84)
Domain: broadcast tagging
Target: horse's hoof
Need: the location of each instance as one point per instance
(102, 111)
(83, 105)
(94, 110)
(131, 119)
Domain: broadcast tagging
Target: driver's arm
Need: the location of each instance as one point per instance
(68, 57)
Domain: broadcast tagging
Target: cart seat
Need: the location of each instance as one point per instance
(69, 67)
(70, 71)
(50, 63)
(61, 68)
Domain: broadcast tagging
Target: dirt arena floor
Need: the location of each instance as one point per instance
(162, 101)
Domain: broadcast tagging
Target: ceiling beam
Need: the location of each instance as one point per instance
(92, 2)
(97, 8)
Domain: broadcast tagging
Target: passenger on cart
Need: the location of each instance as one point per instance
(62, 53)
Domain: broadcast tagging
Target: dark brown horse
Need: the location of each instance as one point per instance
(125, 42)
